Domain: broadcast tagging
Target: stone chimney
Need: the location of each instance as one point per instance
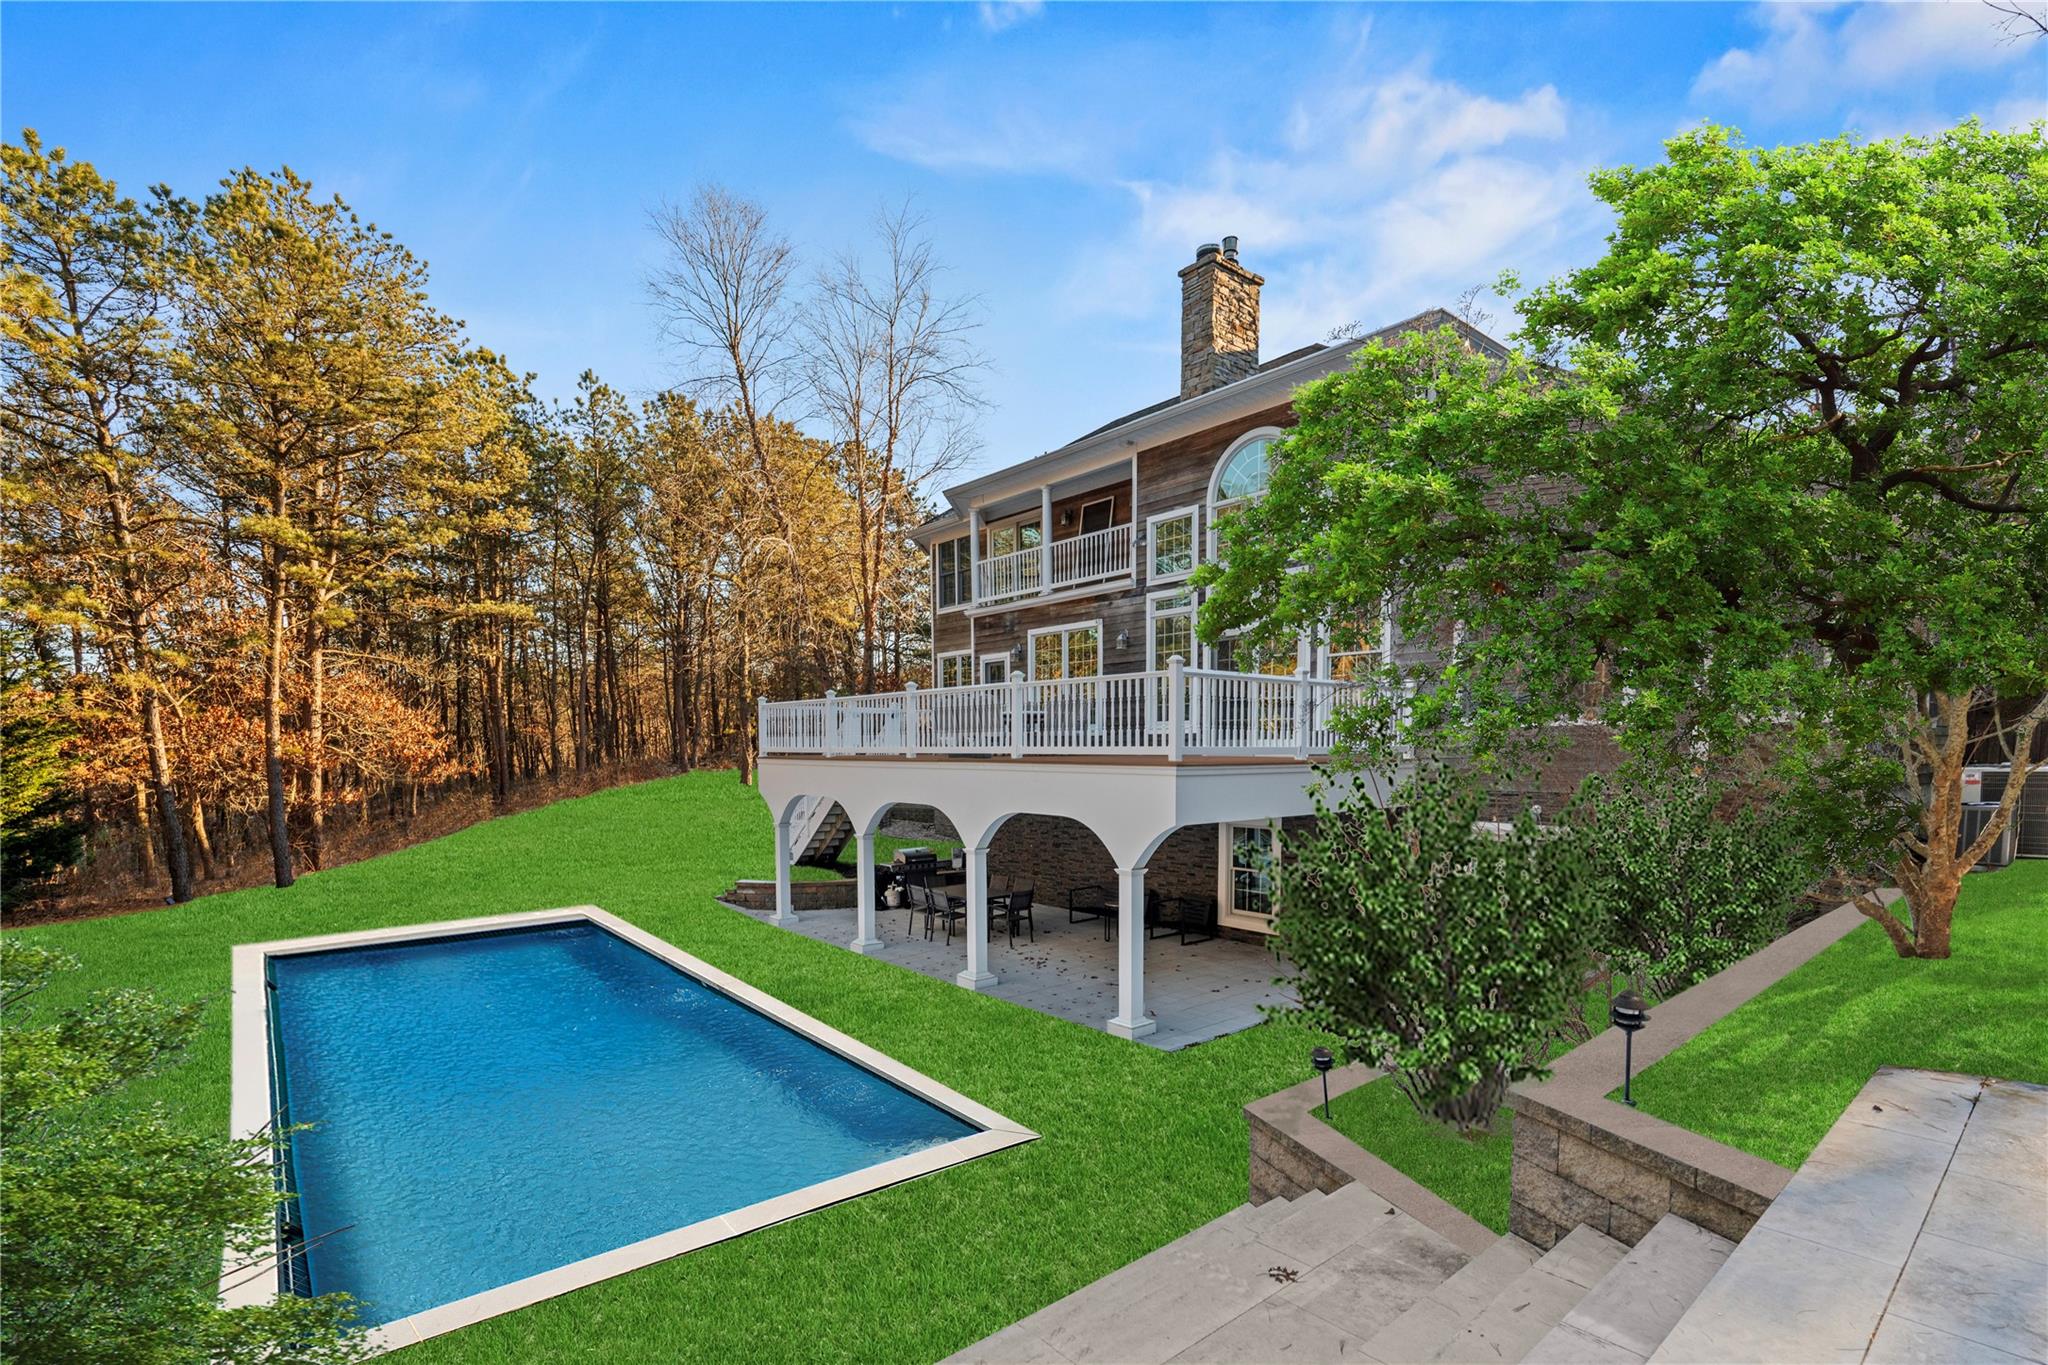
(1219, 319)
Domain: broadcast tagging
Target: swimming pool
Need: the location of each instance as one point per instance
(504, 1109)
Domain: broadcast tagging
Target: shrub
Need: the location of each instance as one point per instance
(1440, 950)
(1683, 892)
(113, 1222)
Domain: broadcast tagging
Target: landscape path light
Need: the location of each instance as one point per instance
(1322, 1060)
(1626, 1013)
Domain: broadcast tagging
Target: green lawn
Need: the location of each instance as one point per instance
(1139, 1146)
(1467, 1173)
(1773, 1076)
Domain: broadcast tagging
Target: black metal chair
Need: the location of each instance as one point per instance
(941, 906)
(1193, 918)
(1091, 902)
(1013, 905)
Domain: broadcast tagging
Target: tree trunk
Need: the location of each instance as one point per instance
(273, 711)
(316, 746)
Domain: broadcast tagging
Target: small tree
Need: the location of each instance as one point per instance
(1682, 893)
(1441, 950)
(114, 1219)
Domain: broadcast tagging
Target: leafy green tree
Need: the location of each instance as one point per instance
(1682, 892)
(1772, 467)
(1443, 951)
(115, 1219)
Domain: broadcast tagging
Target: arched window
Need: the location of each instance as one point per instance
(1241, 475)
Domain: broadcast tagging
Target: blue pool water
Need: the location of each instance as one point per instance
(489, 1107)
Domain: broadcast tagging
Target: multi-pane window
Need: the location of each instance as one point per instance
(956, 670)
(1066, 652)
(1352, 648)
(1170, 621)
(1172, 543)
(952, 573)
(1251, 849)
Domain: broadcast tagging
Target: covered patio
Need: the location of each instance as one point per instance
(1193, 993)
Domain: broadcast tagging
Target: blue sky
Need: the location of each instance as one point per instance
(1374, 160)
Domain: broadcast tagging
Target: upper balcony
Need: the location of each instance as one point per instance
(1173, 713)
(1091, 557)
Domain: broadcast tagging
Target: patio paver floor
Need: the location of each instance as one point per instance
(1197, 992)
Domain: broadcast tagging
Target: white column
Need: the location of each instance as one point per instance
(977, 976)
(1045, 538)
(865, 940)
(785, 908)
(973, 560)
(1131, 1020)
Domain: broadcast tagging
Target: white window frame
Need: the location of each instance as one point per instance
(1031, 647)
(1216, 509)
(966, 658)
(967, 543)
(1017, 521)
(1193, 512)
(1226, 886)
(1002, 661)
(1156, 711)
(1081, 515)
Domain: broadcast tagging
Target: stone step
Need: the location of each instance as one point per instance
(1627, 1315)
(1428, 1325)
(1535, 1301)
(1273, 1210)
(1316, 1230)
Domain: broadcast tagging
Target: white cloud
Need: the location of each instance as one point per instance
(1818, 56)
(997, 15)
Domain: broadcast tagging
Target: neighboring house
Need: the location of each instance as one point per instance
(1068, 686)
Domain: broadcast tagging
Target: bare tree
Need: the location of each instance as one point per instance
(722, 293)
(2022, 19)
(889, 365)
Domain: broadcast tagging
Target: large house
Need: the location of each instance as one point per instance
(1068, 687)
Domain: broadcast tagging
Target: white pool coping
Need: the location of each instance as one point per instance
(250, 1113)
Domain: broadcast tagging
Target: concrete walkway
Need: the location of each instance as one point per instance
(1917, 1231)
(1197, 992)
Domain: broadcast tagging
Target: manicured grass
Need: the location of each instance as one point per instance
(1772, 1077)
(1138, 1146)
(1466, 1173)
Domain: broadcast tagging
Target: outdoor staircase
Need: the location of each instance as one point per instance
(822, 832)
(1347, 1277)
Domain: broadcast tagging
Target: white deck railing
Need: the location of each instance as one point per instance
(1173, 712)
(1077, 559)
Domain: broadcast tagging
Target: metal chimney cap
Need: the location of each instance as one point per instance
(1230, 248)
(1206, 250)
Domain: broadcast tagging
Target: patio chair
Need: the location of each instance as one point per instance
(1091, 902)
(941, 906)
(1014, 905)
(914, 902)
(1193, 918)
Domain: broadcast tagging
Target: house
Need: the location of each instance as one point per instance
(1074, 731)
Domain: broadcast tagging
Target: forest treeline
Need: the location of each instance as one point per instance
(286, 547)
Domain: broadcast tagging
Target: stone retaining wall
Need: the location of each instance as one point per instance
(835, 894)
(1582, 1159)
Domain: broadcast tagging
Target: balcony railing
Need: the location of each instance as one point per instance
(1174, 713)
(1076, 560)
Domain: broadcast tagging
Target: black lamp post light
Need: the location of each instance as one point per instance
(1322, 1060)
(1626, 1013)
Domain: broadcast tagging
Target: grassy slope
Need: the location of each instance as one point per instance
(1139, 1146)
(1772, 1077)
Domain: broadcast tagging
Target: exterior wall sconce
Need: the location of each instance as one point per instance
(1322, 1060)
(1123, 639)
(1626, 1013)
